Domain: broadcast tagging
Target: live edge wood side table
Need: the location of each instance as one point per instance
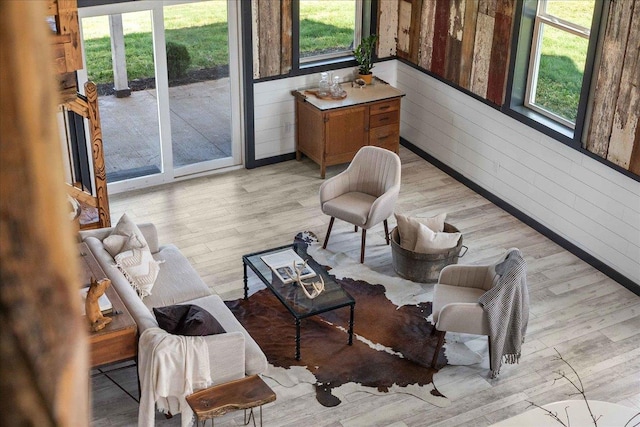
(245, 393)
(118, 340)
(331, 132)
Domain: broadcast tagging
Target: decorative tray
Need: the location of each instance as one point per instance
(315, 93)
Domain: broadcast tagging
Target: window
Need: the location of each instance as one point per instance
(553, 63)
(328, 29)
(558, 57)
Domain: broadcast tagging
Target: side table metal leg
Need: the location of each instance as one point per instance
(246, 282)
(251, 417)
(351, 324)
(297, 339)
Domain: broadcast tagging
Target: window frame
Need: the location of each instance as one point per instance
(544, 18)
(324, 57)
(521, 66)
(329, 61)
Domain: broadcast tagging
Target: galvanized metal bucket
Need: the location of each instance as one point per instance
(420, 267)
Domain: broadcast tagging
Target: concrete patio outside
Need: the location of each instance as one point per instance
(200, 128)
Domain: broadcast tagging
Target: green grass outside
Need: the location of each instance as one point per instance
(325, 26)
(563, 59)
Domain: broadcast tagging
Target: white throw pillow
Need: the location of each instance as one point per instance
(140, 269)
(125, 236)
(429, 242)
(408, 228)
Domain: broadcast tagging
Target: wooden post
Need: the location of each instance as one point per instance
(43, 350)
(118, 57)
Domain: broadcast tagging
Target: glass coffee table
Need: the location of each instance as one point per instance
(292, 296)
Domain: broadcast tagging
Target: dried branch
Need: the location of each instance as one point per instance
(578, 386)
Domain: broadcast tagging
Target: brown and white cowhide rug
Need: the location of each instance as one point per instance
(392, 346)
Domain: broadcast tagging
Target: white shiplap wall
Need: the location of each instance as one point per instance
(582, 200)
(579, 198)
(274, 108)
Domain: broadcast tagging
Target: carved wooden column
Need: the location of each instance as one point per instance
(43, 352)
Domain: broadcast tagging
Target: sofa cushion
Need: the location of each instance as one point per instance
(353, 207)
(177, 280)
(255, 360)
(140, 269)
(125, 236)
(187, 319)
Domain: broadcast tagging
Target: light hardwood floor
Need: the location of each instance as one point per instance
(591, 320)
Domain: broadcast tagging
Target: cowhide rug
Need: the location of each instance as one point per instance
(392, 347)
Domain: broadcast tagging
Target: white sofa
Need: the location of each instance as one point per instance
(233, 354)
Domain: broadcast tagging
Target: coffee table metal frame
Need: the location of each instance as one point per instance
(267, 277)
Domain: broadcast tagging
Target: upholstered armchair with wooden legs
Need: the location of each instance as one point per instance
(365, 193)
(456, 306)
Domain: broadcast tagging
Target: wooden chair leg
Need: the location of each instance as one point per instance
(441, 335)
(386, 231)
(490, 358)
(364, 238)
(326, 238)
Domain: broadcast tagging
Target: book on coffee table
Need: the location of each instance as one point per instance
(282, 265)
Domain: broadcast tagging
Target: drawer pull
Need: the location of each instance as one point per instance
(384, 119)
(383, 137)
(386, 107)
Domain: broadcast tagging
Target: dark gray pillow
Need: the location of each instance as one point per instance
(187, 319)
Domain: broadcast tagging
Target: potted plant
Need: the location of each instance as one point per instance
(364, 56)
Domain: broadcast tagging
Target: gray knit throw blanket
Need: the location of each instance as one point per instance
(507, 308)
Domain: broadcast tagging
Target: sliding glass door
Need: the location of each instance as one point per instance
(169, 93)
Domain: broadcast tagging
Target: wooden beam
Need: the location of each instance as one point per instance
(468, 41)
(482, 55)
(426, 34)
(405, 8)
(500, 49)
(43, 347)
(440, 36)
(99, 168)
(285, 37)
(608, 80)
(269, 32)
(627, 111)
(387, 28)
(454, 41)
(67, 23)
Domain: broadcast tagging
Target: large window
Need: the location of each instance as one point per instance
(328, 29)
(553, 64)
(558, 57)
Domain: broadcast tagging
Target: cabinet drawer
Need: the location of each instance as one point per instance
(384, 106)
(383, 119)
(385, 136)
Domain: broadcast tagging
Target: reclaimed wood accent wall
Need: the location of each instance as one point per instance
(614, 130)
(466, 42)
(43, 345)
(272, 23)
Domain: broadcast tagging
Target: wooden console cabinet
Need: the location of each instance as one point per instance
(118, 341)
(331, 132)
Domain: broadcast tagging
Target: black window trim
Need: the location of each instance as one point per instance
(518, 69)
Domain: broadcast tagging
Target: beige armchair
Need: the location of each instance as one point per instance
(365, 193)
(490, 300)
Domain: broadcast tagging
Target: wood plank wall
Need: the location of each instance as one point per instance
(614, 128)
(467, 42)
(272, 22)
